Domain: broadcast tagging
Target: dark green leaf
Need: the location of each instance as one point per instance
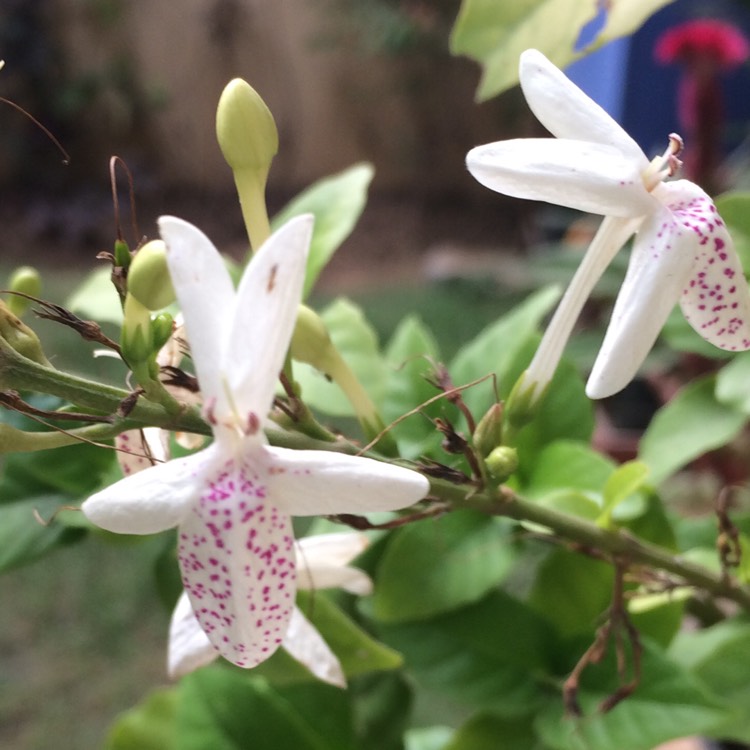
(149, 726)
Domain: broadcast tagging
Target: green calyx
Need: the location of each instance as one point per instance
(20, 337)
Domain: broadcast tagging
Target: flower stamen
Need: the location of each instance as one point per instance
(666, 165)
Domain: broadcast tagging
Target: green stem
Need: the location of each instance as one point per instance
(251, 188)
(22, 374)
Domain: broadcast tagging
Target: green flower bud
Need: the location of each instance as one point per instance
(20, 337)
(27, 280)
(523, 402)
(311, 342)
(148, 279)
(162, 326)
(489, 431)
(245, 128)
(502, 462)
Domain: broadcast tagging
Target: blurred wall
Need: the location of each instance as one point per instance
(147, 75)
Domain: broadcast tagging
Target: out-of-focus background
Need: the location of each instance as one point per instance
(347, 81)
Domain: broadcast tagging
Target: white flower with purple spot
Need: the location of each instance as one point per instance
(232, 502)
(322, 563)
(682, 250)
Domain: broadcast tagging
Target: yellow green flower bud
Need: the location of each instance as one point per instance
(489, 432)
(245, 128)
(20, 337)
(502, 462)
(26, 280)
(148, 278)
(311, 342)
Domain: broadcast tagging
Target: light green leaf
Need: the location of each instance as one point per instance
(437, 566)
(734, 208)
(732, 383)
(427, 738)
(337, 203)
(357, 342)
(496, 348)
(496, 33)
(97, 298)
(621, 485)
(691, 424)
(489, 654)
(148, 726)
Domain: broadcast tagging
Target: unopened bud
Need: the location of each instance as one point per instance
(26, 280)
(311, 342)
(20, 337)
(502, 462)
(148, 279)
(489, 432)
(245, 128)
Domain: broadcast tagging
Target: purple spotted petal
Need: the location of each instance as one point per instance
(236, 553)
(715, 300)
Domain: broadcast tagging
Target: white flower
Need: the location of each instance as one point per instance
(682, 250)
(232, 501)
(321, 563)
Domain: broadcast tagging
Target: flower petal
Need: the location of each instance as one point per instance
(308, 483)
(303, 642)
(322, 563)
(569, 113)
(267, 301)
(189, 647)
(715, 300)
(206, 296)
(140, 449)
(333, 577)
(660, 264)
(236, 554)
(577, 174)
(152, 500)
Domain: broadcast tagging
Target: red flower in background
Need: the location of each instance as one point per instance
(705, 48)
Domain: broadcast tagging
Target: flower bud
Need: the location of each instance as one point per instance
(148, 278)
(20, 337)
(523, 402)
(122, 254)
(489, 432)
(245, 128)
(311, 342)
(26, 280)
(502, 462)
(135, 340)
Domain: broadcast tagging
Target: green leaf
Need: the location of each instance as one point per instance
(382, 708)
(433, 567)
(621, 485)
(487, 730)
(410, 355)
(358, 652)
(337, 203)
(731, 383)
(427, 738)
(148, 726)
(487, 654)
(23, 538)
(691, 424)
(357, 342)
(668, 703)
(495, 349)
(734, 208)
(572, 591)
(223, 709)
(718, 656)
(496, 33)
